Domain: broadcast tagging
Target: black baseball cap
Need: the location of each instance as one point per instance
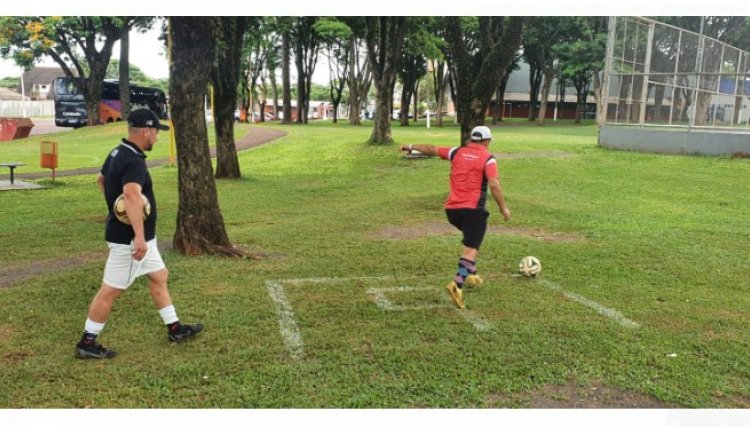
(145, 118)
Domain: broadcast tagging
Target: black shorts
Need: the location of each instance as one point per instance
(472, 222)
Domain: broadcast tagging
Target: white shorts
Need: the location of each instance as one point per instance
(122, 270)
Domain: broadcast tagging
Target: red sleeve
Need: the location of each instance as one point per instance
(490, 169)
(444, 152)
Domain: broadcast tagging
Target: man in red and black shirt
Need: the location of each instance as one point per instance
(473, 169)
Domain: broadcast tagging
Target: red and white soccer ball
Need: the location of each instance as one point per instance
(530, 266)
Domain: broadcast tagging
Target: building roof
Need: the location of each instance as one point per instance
(40, 75)
(9, 95)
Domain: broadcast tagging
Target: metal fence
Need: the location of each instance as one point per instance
(27, 108)
(660, 75)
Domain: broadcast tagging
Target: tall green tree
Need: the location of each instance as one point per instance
(581, 57)
(225, 76)
(81, 45)
(540, 36)
(480, 50)
(420, 44)
(385, 41)
(500, 94)
(334, 35)
(137, 76)
(305, 44)
(359, 74)
(200, 224)
(285, 27)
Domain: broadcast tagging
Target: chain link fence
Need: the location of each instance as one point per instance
(660, 75)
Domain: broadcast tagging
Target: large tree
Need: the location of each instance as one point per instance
(420, 44)
(225, 76)
(200, 224)
(359, 74)
(500, 94)
(334, 35)
(581, 57)
(285, 27)
(541, 35)
(480, 51)
(81, 45)
(385, 39)
(305, 43)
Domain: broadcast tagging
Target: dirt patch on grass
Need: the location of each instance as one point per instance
(15, 357)
(737, 401)
(418, 231)
(572, 395)
(5, 332)
(17, 274)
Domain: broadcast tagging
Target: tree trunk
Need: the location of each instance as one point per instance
(225, 76)
(439, 86)
(381, 129)
(200, 225)
(94, 91)
(385, 39)
(285, 78)
(416, 101)
(405, 102)
(549, 74)
(275, 92)
(125, 72)
(359, 83)
(535, 77)
(301, 112)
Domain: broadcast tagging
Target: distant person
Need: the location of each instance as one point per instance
(132, 248)
(473, 168)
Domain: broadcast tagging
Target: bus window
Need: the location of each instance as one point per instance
(65, 86)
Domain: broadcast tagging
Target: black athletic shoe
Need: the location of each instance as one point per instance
(185, 332)
(93, 350)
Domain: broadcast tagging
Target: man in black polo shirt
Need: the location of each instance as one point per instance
(132, 247)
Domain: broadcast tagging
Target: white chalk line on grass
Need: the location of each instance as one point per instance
(604, 311)
(383, 302)
(287, 325)
(290, 332)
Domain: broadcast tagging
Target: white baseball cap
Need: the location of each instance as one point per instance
(480, 133)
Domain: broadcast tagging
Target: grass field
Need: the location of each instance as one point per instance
(643, 298)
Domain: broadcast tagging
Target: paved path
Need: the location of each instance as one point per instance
(255, 137)
(43, 126)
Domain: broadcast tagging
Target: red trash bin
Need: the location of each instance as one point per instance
(15, 128)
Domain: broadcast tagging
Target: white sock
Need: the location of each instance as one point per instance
(168, 314)
(93, 327)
